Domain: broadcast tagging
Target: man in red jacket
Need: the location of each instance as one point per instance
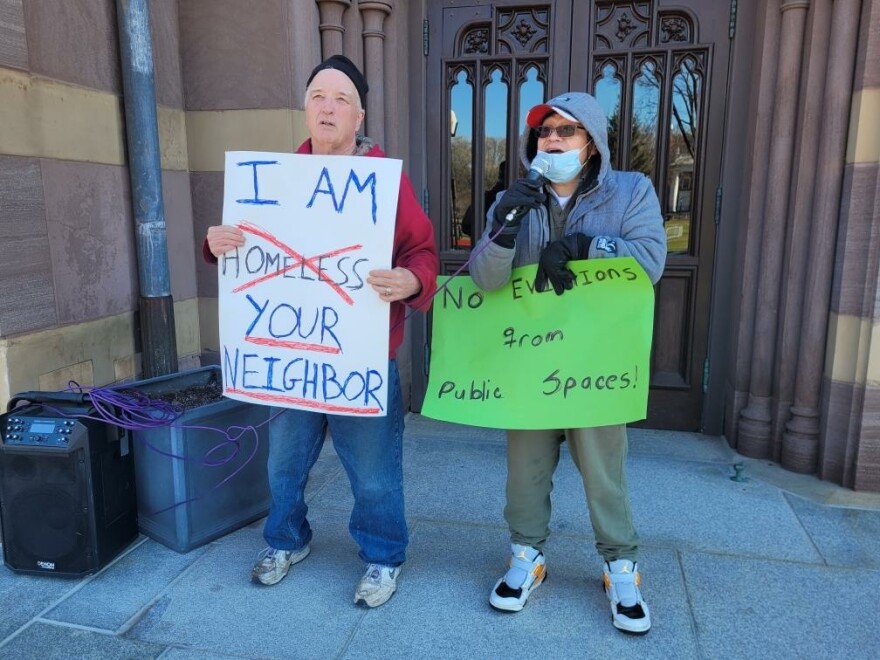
(369, 448)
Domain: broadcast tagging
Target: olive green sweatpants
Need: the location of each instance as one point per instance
(599, 454)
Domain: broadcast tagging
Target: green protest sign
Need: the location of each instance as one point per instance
(516, 358)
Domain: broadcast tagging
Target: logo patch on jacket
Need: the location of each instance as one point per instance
(606, 244)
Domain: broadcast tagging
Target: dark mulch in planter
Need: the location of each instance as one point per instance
(188, 398)
(193, 396)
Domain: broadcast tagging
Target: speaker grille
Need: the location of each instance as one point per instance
(45, 508)
(46, 523)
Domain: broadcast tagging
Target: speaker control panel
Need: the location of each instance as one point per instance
(39, 431)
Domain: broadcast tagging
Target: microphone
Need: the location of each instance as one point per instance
(539, 167)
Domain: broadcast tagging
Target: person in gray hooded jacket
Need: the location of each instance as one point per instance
(579, 208)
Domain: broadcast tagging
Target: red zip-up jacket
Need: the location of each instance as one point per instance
(413, 248)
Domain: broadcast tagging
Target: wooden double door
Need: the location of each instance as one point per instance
(659, 69)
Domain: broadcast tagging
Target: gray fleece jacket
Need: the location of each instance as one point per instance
(618, 209)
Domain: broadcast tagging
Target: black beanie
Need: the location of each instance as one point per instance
(346, 66)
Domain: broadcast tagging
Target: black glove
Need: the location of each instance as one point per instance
(523, 195)
(553, 263)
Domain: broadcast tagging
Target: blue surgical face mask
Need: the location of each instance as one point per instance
(563, 167)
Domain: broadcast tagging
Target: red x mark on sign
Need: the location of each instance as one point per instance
(308, 262)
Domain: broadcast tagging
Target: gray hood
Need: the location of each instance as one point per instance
(588, 112)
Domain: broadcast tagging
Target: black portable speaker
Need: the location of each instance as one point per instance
(67, 488)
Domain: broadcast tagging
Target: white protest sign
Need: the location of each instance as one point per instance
(299, 325)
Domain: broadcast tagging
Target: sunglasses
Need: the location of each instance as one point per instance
(564, 131)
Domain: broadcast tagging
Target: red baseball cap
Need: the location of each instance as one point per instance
(539, 113)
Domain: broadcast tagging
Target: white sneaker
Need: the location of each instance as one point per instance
(273, 564)
(629, 611)
(526, 573)
(377, 586)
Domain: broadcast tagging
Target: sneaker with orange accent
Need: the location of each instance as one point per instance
(629, 611)
(526, 572)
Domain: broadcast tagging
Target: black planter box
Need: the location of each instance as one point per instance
(183, 501)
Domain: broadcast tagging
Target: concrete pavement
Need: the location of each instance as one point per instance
(777, 566)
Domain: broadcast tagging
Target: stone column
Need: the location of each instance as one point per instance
(304, 46)
(353, 40)
(766, 54)
(812, 124)
(800, 447)
(397, 79)
(331, 26)
(373, 14)
(754, 425)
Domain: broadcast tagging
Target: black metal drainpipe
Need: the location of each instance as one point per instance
(156, 305)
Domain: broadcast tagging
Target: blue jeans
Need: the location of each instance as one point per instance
(369, 449)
